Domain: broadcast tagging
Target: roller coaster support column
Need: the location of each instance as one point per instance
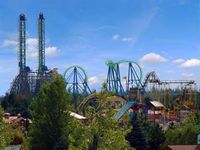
(76, 82)
(113, 79)
(134, 77)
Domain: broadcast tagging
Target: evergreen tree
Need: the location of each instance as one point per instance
(50, 116)
(155, 137)
(136, 137)
(153, 133)
(16, 104)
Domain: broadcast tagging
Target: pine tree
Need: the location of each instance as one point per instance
(155, 137)
(50, 116)
(153, 133)
(136, 137)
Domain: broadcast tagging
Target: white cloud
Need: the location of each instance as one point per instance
(115, 37)
(179, 61)
(31, 47)
(152, 58)
(190, 63)
(52, 51)
(8, 43)
(93, 80)
(127, 39)
(123, 39)
(141, 25)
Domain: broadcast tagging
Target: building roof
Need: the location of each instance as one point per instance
(182, 147)
(77, 115)
(13, 147)
(157, 104)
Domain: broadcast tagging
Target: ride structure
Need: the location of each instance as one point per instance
(166, 91)
(77, 82)
(41, 45)
(114, 81)
(176, 95)
(43, 73)
(28, 81)
(21, 82)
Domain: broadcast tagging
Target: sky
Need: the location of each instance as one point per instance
(160, 35)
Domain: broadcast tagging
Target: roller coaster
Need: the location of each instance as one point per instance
(174, 94)
(152, 87)
(77, 82)
(114, 81)
(167, 90)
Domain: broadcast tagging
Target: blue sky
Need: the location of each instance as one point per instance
(161, 35)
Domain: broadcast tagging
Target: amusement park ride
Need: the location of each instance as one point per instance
(28, 81)
(173, 94)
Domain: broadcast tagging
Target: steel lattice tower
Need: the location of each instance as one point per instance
(22, 42)
(28, 81)
(43, 74)
(21, 82)
(41, 43)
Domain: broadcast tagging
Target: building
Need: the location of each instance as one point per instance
(182, 147)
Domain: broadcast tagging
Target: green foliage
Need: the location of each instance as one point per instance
(2, 130)
(155, 137)
(145, 135)
(15, 104)
(79, 136)
(50, 116)
(136, 137)
(53, 127)
(107, 134)
(9, 134)
(104, 87)
(184, 133)
(154, 134)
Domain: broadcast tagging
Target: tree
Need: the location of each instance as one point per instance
(155, 137)
(50, 116)
(184, 133)
(16, 104)
(105, 132)
(104, 87)
(136, 137)
(9, 134)
(154, 134)
(2, 127)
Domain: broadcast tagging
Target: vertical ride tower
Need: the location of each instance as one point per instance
(41, 45)
(27, 81)
(43, 74)
(22, 42)
(20, 84)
